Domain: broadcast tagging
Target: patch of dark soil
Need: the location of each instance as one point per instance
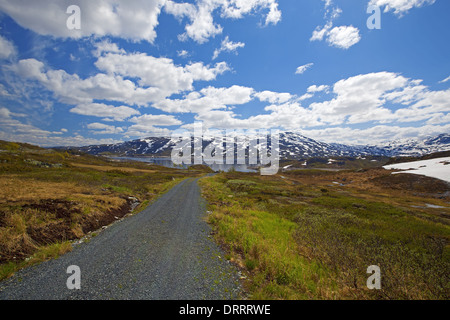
(2, 219)
(51, 233)
(62, 209)
(60, 229)
(96, 222)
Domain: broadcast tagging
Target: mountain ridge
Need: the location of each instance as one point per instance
(292, 146)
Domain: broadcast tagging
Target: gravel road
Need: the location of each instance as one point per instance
(162, 253)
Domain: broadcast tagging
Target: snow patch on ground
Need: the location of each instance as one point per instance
(436, 168)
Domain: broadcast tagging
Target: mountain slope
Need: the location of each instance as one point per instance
(292, 146)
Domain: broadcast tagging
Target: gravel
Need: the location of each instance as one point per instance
(163, 253)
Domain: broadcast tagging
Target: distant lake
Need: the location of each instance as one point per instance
(167, 162)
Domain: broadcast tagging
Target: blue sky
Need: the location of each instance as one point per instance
(146, 68)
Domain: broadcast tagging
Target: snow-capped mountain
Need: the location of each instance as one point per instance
(292, 146)
(414, 147)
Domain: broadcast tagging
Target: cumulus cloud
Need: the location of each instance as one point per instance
(274, 97)
(343, 37)
(375, 98)
(101, 110)
(159, 73)
(360, 98)
(202, 27)
(71, 89)
(207, 99)
(106, 46)
(400, 7)
(135, 20)
(154, 79)
(152, 125)
(100, 128)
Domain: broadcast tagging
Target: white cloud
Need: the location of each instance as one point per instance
(183, 53)
(429, 102)
(382, 98)
(343, 37)
(150, 125)
(4, 92)
(157, 78)
(306, 96)
(159, 73)
(319, 33)
(7, 49)
(314, 88)
(30, 68)
(236, 9)
(274, 15)
(376, 135)
(100, 128)
(274, 97)
(156, 120)
(202, 26)
(14, 130)
(207, 99)
(228, 46)
(439, 118)
(400, 7)
(357, 96)
(445, 80)
(73, 58)
(302, 69)
(135, 20)
(71, 89)
(289, 116)
(105, 111)
(106, 46)
(370, 97)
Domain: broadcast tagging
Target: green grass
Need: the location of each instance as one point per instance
(44, 253)
(304, 242)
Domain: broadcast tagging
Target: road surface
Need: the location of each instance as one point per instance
(162, 253)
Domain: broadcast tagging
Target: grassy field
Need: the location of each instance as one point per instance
(312, 234)
(49, 199)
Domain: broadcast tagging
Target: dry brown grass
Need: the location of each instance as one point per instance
(110, 168)
(34, 213)
(14, 188)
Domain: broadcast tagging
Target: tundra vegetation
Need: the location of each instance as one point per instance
(311, 234)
